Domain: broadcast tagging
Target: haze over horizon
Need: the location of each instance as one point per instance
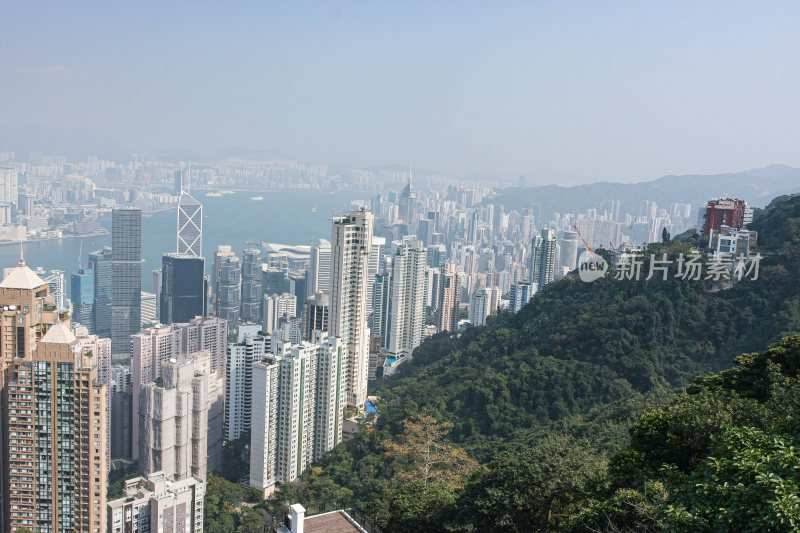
(564, 94)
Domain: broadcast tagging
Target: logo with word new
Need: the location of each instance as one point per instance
(591, 266)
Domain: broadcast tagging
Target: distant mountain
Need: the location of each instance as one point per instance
(757, 187)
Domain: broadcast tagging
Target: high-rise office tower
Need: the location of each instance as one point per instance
(448, 302)
(182, 288)
(319, 269)
(222, 252)
(156, 503)
(126, 299)
(277, 306)
(408, 298)
(239, 384)
(568, 256)
(316, 313)
(55, 418)
(228, 271)
(190, 226)
(27, 310)
(55, 279)
(407, 205)
(297, 410)
(81, 288)
(251, 286)
(101, 264)
(351, 243)
(543, 258)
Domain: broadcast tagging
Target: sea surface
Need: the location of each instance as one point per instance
(231, 219)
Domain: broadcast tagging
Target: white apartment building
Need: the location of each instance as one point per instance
(407, 318)
(297, 410)
(239, 383)
(351, 243)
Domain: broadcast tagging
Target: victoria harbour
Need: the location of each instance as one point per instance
(230, 219)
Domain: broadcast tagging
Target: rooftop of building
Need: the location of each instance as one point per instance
(333, 522)
(22, 277)
(59, 333)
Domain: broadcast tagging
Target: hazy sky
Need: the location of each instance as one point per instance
(564, 92)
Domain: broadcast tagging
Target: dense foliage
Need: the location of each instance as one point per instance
(545, 399)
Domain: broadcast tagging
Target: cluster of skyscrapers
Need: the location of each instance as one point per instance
(270, 346)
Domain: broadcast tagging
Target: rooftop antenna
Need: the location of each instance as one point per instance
(80, 254)
(21, 257)
(409, 175)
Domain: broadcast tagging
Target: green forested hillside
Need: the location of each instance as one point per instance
(544, 401)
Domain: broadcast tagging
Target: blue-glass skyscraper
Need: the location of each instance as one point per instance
(100, 264)
(82, 296)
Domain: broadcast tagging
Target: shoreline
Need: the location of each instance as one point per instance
(45, 239)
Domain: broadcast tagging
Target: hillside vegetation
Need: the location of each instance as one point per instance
(585, 409)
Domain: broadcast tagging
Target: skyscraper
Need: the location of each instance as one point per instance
(58, 468)
(157, 289)
(251, 286)
(381, 307)
(173, 421)
(297, 410)
(100, 350)
(27, 310)
(316, 314)
(319, 269)
(543, 258)
(190, 226)
(448, 303)
(478, 307)
(206, 334)
(350, 252)
(568, 255)
(101, 264)
(408, 298)
(126, 250)
(228, 286)
(374, 267)
(202, 341)
(9, 193)
(408, 202)
(182, 288)
(239, 384)
(81, 289)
